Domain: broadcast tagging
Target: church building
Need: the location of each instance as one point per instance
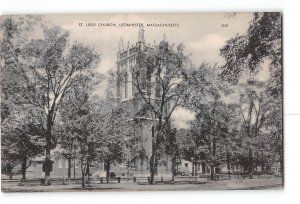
(130, 97)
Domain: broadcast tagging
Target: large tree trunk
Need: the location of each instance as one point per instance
(196, 166)
(74, 168)
(9, 170)
(152, 168)
(88, 172)
(193, 168)
(173, 167)
(47, 172)
(69, 167)
(212, 166)
(152, 158)
(82, 173)
(48, 146)
(203, 167)
(107, 171)
(212, 172)
(24, 167)
(251, 164)
(228, 164)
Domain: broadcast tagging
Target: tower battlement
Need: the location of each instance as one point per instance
(127, 60)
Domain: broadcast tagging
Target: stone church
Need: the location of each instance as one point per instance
(129, 96)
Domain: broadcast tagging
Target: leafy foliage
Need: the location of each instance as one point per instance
(44, 69)
(158, 81)
(21, 139)
(245, 53)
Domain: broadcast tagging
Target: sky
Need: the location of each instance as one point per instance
(201, 33)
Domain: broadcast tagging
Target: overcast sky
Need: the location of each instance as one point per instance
(201, 33)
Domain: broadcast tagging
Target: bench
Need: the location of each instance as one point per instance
(186, 178)
(30, 181)
(146, 179)
(103, 179)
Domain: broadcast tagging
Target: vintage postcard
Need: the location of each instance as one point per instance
(131, 102)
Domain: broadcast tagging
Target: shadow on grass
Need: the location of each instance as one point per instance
(75, 189)
(13, 190)
(91, 189)
(266, 187)
(174, 183)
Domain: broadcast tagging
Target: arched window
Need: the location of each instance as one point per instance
(126, 85)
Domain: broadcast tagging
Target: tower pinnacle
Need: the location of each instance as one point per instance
(121, 45)
(141, 37)
(164, 38)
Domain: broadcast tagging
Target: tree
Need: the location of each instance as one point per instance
(256, 107)
(157, 79)
(245, 56)
(67, 140)
(229, 145)
(82, 126)
(17, 131)
(245, 53)
(87, 145)
(194, 149)
(14, 32)
(22, 140)
(207, 94)
(173, 147)
(133, 150)
(213, 127)
(112, 132)
(47, 69)
(79, 124)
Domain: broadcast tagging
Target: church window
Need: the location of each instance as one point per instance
(126, 87)
(132, 84)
